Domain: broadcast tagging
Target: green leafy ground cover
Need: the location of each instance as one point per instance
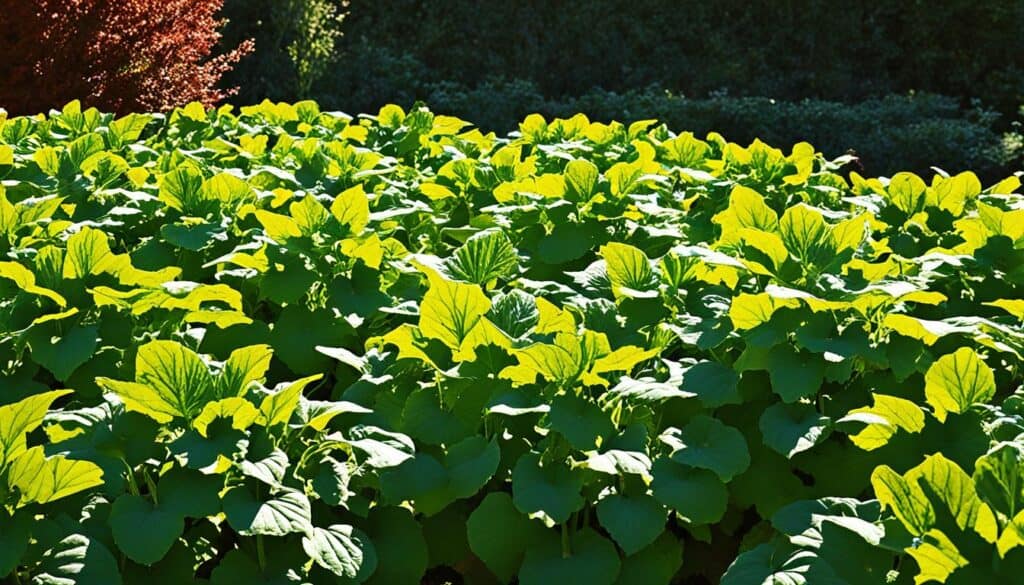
(287, 346)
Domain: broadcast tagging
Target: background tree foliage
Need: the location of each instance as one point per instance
(121, 55)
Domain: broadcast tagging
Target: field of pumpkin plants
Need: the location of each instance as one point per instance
(275, 345)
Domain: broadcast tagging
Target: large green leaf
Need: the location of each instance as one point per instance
(707, 443)
(654, 565)
(591, 559)
(697, 495)
(499, 534)
(77, 560)
(15, 534)
(63, 355)
(580, 421)
(770, 564)
(551, 488)
(143, 532)
(793, 428)
(342, 550)
(284, 513)
(401, 550)
(634, 522)
(795, 374)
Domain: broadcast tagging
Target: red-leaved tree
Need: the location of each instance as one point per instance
(117, 55)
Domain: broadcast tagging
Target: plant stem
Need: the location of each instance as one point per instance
(566, 544)
(133, 488)
(151, 486)
(260, 555)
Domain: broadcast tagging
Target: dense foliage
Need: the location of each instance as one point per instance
(121, 55)
(289, 346)
(841, 77)
(791, 50)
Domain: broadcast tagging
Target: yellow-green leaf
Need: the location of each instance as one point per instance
(1012, 536)
(450, 310)
(906, 500)
(277, 408)
(309, 215)
(956, 490)
(747, 209)
(623, 359)
(170, 381)
(885, 417)
(958, 380)
(484, 333)
(937, 557)
(435, 191)
(88, 252)
(20, 418)
(907, 191)
(245, 365)
(806, 235)
(241, 412)
(352, 209)
(628, 268)
(581, 179)
(953, 193)
(26, 281)
(552, 319)
(767, 243)
(41, 479)
(278, 227)
(750, 310)
(920, 329)
(1014, 307)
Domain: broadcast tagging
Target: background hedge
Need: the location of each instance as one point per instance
(841, 75)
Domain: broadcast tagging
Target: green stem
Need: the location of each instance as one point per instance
(150, 485)
(566, 544)
(133, 487)
(260, 555)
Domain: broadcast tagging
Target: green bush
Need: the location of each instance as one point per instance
(798, 49)
(281, 345)
(888, 135)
